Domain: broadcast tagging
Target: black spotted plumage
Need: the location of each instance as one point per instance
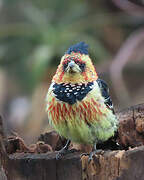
(70, 93)
(105, 93)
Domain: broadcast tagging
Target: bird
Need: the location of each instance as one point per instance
(78, 103)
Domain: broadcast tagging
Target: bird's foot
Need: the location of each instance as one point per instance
(63, 152)
(84, 154)
(96, 152)
(91, 154)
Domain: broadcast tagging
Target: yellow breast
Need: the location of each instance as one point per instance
(84, 121)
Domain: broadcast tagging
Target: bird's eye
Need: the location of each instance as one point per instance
(65, 64)
(81, 64)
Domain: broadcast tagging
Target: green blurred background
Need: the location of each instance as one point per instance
(35, 34)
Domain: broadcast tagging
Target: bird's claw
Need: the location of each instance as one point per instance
(63, 152)
(60, 154)
(91, 154)
(99, 151)
(84, 154)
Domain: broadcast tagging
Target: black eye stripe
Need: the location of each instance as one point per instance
(79, 63)
(82, 66)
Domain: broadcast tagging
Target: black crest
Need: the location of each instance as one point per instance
(79, 47)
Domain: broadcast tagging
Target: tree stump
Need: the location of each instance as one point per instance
(37, 162)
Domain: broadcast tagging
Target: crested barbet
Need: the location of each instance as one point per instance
(78, 103)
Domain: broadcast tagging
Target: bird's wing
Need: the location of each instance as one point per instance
(105, 93)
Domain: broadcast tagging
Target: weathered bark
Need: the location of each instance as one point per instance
(3, 153)
(131, 126)
(22, 162)
(42, 167)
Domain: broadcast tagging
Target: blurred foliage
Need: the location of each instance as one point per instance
(35, 34)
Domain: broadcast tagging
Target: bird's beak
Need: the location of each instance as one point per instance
(73, 67)
(71, 64)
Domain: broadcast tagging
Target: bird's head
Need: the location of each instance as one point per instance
(76, 66)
